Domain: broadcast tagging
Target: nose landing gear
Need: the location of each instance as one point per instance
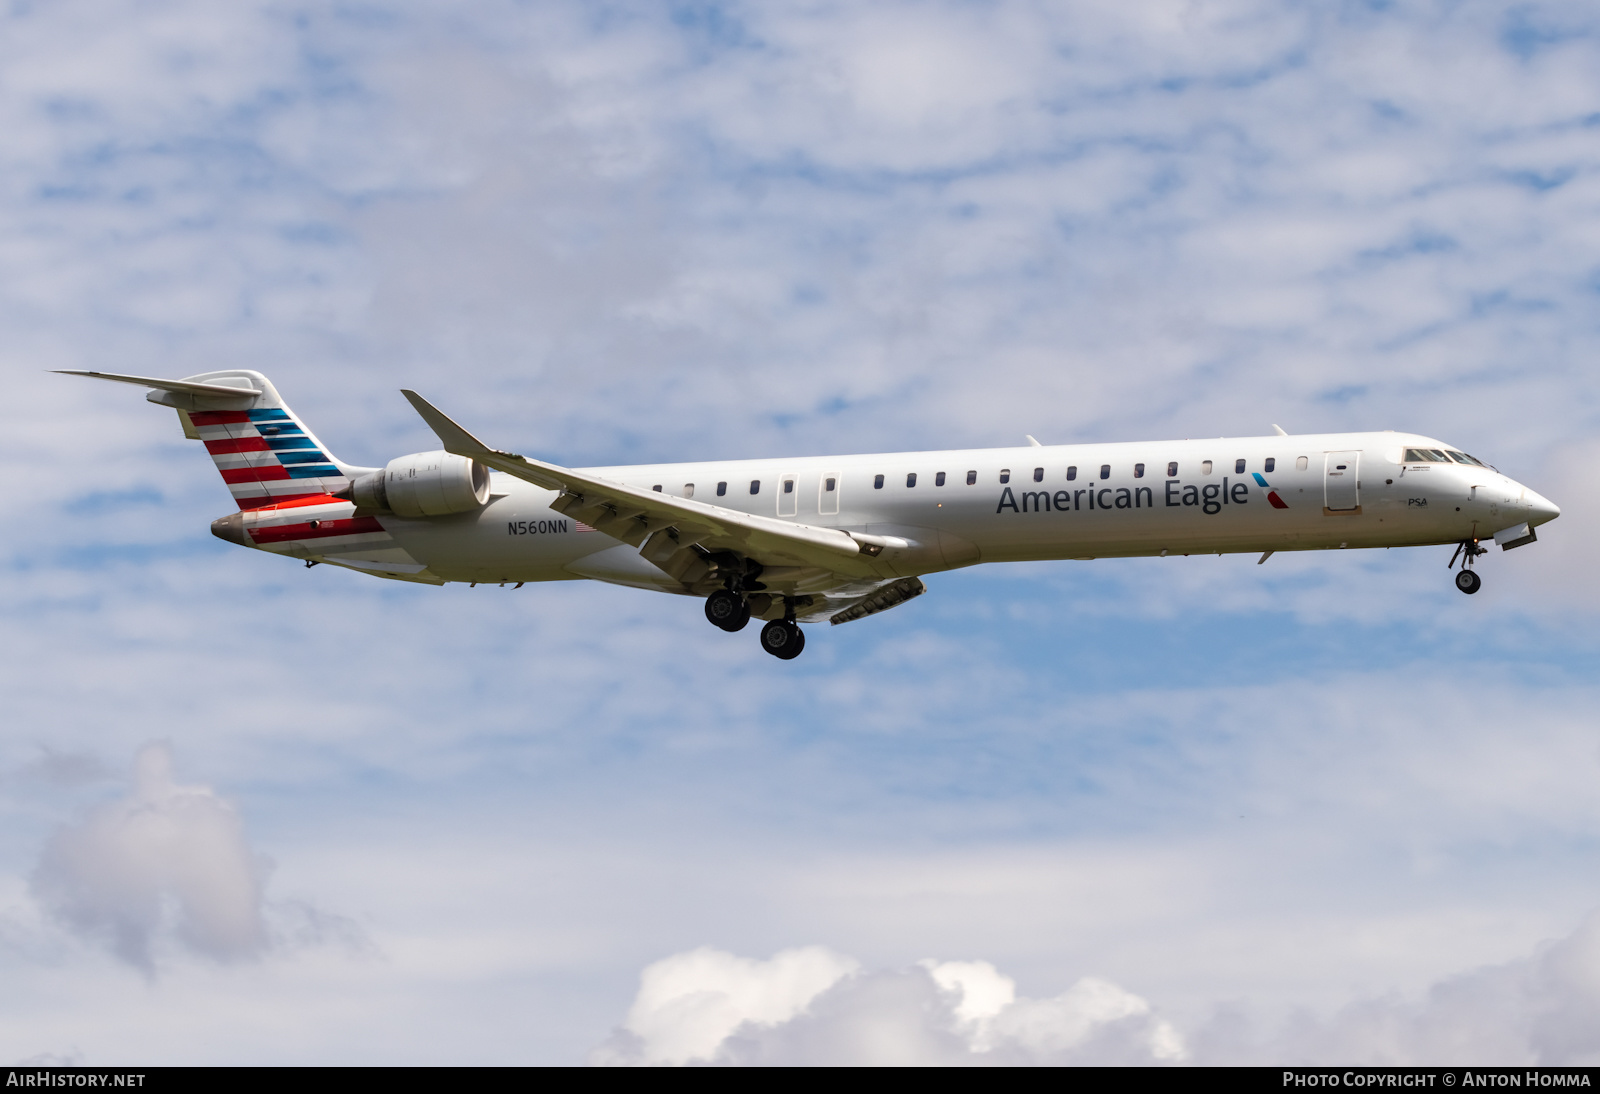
(1467, 580)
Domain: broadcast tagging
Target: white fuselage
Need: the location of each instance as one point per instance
(1020, 505)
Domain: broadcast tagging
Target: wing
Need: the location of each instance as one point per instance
(695, 542)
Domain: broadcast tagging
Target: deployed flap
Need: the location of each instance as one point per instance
(632, 514)
(889, 596)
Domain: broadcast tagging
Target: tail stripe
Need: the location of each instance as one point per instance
(265, 456)
(322, 529)
(230, 446)
(253, 474)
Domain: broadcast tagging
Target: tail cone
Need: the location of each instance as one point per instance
(231, 528)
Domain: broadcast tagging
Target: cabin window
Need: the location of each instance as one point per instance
(656, 488)
(938, 480)
(1238, 467)
(755, 486)
(1105, 471)
(1038, 474)
(1271, 463)
(1005, 475)
(1138, 470)
(722, 489)
(830, 485)
(1299, 463)
(1172, 469)
(877, 482)
(972, 478)
(688, 489)
(1205, 467)
(1072, 473)
(911, 479)
(788, 486)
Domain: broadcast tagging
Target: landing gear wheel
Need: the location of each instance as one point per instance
(1468, 582)
(727, 611)
(782, 639)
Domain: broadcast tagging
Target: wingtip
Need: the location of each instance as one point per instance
(450, 433)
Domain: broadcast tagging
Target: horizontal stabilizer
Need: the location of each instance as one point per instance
(186, 387)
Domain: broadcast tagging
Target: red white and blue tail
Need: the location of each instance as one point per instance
(265, 453)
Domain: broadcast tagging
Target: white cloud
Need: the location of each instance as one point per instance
(815, 1006)
(690, 1003)
(166, 857)
(1540, 1010)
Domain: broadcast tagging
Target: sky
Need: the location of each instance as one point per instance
(1161, 811)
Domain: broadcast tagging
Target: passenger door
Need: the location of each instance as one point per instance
(1341, 480)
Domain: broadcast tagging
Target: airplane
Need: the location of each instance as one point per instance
(824, 538)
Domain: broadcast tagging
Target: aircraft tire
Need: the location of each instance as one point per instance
(726, 610)
(783, 639)
(1468, 582)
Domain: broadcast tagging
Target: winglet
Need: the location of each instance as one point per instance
(1278, 429)
(452, 436)
(1031, 442)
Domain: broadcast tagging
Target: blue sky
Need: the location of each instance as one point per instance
(1324, 808)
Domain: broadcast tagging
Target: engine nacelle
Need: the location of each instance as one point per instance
(423, 484)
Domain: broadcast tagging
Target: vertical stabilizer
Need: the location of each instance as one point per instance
(265, 453)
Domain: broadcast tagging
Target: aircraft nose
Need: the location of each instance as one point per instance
(1541, 509)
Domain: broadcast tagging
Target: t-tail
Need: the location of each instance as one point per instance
(264, 451)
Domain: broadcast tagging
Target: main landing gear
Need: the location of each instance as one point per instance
(1467, 580)
(728, 610)
(782, 637)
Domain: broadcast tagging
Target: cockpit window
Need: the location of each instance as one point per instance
(1462, 457)
(1425, 455)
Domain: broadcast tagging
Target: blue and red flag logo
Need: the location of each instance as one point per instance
(1272, 495)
